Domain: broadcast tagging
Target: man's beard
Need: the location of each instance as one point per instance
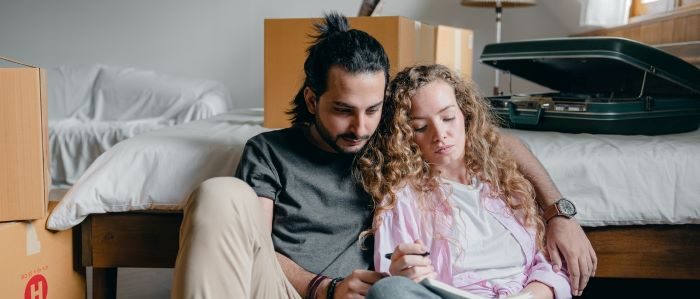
(333, 142)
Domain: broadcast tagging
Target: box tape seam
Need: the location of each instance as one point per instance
(33, 243)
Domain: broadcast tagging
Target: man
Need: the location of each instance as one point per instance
(296, 185)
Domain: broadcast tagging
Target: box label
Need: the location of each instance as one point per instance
(37, 287)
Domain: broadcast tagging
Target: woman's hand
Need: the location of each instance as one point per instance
(408, 260)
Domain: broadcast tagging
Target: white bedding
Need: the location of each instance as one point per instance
(614, 180)
(158, 169)
(75, 144)
(93, 107)
(623, 180)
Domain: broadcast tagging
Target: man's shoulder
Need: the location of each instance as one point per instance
(261, 149)
(276, 137)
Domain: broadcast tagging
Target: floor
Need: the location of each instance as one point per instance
(640, 288)
(140, 283)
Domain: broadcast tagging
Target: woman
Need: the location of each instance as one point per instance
(443, 184)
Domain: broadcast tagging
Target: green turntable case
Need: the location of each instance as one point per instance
(604, 85)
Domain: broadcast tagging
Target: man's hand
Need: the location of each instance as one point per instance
(407, 261)
(566, 238)
(356, 285)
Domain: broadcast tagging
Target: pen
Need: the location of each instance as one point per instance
(388, 255)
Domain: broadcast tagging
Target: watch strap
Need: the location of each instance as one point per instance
(551, 211)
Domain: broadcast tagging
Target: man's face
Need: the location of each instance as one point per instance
(348, 113)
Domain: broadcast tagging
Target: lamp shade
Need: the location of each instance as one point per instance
(492, 3)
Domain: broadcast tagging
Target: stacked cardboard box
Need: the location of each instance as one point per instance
(24, 176)
(36, 263)
(407, 42)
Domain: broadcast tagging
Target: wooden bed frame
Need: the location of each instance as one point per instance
(150, 240)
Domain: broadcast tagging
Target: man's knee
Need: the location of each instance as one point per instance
(225, 184)
(398, 287)
(218, 195)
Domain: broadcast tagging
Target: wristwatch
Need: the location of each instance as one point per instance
(562, 207)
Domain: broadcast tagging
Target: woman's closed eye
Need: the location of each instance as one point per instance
(418, 127)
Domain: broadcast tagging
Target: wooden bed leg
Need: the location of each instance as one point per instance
(104, 283)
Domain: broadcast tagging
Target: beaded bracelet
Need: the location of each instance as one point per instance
(331, 287)
(312, 288)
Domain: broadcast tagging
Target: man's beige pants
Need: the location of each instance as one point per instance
(225, 249)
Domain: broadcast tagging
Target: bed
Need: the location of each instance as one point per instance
(637, 196)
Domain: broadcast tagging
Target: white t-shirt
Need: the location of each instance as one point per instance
(480, 243)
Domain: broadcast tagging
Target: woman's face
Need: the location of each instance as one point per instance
(438, 124)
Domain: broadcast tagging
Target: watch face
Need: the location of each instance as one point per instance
(567, 208)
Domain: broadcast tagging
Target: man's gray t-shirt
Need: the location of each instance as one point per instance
(320, 210)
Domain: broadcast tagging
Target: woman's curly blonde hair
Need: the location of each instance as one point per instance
(392, 159)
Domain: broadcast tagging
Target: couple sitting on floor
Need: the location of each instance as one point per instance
(418, 170)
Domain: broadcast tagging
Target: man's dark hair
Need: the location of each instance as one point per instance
(336, 44)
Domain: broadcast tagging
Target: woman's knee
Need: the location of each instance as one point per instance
(398, 287)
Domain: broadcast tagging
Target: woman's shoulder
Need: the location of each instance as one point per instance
(409, 191)
(405, 193)
(408, 195)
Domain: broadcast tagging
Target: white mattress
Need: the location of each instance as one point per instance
(623, 180)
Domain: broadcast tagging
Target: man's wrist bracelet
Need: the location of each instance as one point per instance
(312, 288)
(331, 287)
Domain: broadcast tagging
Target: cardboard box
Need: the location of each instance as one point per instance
(37, 263)
(686, 3)
(454, 47)
(406, 42)
(24, 173)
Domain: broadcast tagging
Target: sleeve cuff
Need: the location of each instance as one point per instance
(558, 283)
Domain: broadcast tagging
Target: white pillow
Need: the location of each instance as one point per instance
(157, 170)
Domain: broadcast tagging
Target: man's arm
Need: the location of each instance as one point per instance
(357, 283)
(564, 236)
(545, 190)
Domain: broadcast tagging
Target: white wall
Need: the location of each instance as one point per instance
(217, 39)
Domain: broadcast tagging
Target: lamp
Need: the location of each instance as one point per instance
(369, 8)
(498, 5)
